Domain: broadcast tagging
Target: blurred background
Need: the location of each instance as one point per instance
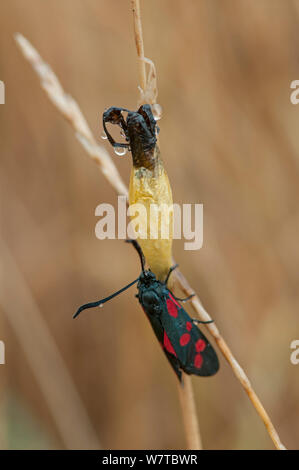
(229, 139)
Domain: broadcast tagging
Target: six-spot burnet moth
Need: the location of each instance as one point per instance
(184, 345)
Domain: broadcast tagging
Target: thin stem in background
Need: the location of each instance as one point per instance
(74, 115)
(47, 364)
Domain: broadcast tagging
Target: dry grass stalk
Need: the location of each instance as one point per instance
(237, 369)
(71, 111)
(190, 417)
(76, 119)
(135, 5)
(148, 94)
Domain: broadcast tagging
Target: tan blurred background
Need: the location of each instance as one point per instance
(229, 139)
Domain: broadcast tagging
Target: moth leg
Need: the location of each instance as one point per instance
(169, 272)
(185, 299)
(202, 322)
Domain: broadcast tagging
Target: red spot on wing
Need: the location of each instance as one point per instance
(173, 299)
(167, 345)
(172, 306)
(184, 339)
(189, 325)
(198, 360)
(200, 345)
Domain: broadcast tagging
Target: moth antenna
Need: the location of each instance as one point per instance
(139, 251)
(102, 301)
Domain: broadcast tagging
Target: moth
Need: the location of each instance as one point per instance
(185, 346)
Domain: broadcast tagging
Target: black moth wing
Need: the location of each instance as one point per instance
(160, 334)
(184, 340)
